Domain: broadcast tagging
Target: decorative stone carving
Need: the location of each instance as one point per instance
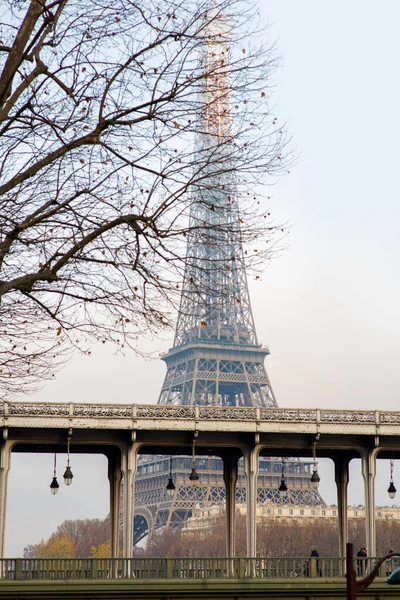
(332, 416)
(273, 414)
(102, 410)
(207, 413)
(227, 413)
(389, 417)
(34, 409)
(165, 412)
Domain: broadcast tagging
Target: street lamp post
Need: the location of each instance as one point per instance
(356, 586)
(54, 484)
(283, 487)
(170, 487)
(194, 476)
(68, 473)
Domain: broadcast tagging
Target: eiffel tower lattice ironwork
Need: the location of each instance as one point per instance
(216, 358)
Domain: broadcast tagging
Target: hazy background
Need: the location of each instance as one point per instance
(329, 307)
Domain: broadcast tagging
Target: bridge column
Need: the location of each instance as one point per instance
(115, 477)
(129, 465)
(250, 457)
(342, 480)
(230, 479)
(368, 462)
(5, 463)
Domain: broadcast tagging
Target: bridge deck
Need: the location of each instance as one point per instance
(195, 589)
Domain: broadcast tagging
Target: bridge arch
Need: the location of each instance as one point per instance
(143, 524)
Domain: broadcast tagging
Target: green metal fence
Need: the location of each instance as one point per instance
(183, 568)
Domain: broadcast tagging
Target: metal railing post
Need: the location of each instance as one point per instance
(168, 568)
(242, 568)
(18, 568)
(95, 568)
(313, 567)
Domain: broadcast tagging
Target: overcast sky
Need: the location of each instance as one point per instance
(329, 307)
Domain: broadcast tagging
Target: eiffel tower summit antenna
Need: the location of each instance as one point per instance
(216, 358)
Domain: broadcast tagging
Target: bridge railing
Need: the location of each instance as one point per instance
(184, 568)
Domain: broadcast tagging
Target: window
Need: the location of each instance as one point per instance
(290, 511)
(323, 513)
(334, 513)
(279, 511)
(356, 513)
(301, 511)
(313, 512)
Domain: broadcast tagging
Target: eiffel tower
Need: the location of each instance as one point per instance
(216, 358)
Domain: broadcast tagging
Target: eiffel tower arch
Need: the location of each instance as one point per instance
(216, 358)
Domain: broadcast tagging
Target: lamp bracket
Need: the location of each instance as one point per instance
(313, 448)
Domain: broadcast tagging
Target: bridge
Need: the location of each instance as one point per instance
(122, 432)
(183, 578)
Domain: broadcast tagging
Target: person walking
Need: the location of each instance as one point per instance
(314, 552)
(361, 562)
(314, 555)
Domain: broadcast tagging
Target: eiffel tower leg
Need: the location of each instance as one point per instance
(115, 476)
(342, 481)
(129, 463)
(369, 471)
(5, 460)
(251, 472)
(230, 478)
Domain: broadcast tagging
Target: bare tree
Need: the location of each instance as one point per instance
(276, 537)
(72, 538)
(100, 104)
(85, 533)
